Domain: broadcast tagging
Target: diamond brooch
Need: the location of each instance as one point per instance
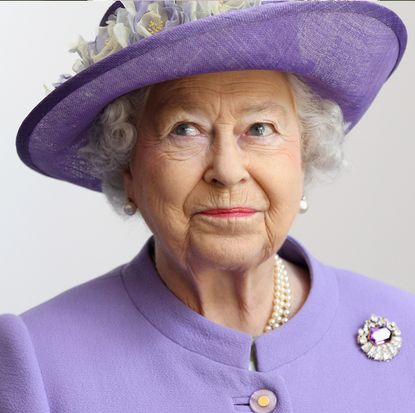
(379, 338)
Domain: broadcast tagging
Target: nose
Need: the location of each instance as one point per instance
(227, 166)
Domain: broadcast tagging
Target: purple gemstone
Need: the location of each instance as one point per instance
(378, 335)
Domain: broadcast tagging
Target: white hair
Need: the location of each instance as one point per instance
(112, 138)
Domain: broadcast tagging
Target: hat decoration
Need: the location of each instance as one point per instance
(141, 19)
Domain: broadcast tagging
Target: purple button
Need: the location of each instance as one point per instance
(263, 401)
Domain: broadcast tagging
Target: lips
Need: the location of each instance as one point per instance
(226, 211)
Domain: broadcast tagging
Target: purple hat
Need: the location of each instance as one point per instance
(344, 50)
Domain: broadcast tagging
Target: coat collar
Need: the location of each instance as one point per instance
(187, 328)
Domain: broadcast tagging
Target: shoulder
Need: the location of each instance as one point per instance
(360, 296)
(68, 315)
(21, 383)
(367, 290)
(41, 335)
(77, 303)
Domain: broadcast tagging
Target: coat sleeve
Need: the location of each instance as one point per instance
(21, 383)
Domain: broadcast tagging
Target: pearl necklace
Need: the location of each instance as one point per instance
(282, 296)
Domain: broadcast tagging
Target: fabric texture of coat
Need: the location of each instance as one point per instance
(123, 342)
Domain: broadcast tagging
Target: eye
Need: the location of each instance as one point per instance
(183, 127)
(261, 127)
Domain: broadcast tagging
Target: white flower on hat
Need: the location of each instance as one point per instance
(129, 6)
(80, 47)
(153, 20)
(116, 37)
(199, 9)
(225, 5)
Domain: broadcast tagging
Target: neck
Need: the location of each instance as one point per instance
(239, 299)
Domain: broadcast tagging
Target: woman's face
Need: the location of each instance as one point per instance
(218, 140)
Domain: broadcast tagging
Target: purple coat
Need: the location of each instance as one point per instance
(123, 343)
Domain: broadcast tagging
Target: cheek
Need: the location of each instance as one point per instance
(166, 182)
(280, 171)
(280, 176)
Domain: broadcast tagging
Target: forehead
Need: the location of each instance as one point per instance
(245, 91)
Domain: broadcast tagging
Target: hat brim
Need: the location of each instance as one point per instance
(345, 50)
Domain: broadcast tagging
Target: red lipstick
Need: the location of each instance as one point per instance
(229, 212)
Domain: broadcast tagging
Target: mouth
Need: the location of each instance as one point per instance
(228, 212)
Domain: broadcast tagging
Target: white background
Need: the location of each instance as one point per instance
(55, 235)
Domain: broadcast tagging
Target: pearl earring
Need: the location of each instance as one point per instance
(303, 205)
(130, 208)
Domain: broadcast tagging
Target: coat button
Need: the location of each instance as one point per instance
(263, 401)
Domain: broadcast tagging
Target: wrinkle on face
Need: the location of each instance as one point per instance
(215, 108)
(219, 162)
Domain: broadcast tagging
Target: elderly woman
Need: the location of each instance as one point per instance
(209, 120)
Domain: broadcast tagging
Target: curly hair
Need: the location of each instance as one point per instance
(113, 135)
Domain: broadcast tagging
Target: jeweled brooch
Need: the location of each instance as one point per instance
(379, 338)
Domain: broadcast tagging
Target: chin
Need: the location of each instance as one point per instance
(230, 250)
